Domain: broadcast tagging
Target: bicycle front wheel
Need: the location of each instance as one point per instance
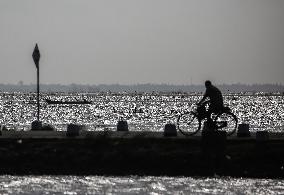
(188, 124)
(226, 121)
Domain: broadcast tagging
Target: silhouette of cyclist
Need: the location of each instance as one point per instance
(215, 99)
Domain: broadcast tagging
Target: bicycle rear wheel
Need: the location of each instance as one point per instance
(226, 121)
(188, 124)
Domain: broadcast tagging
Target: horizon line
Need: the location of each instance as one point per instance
(135, 84)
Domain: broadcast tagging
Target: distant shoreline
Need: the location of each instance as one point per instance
(154, 93)
(140, 88)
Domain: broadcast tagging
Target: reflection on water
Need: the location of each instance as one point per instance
(142, 111)
(136, 185)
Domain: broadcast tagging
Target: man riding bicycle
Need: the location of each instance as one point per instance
(189, 122)
(215, 99)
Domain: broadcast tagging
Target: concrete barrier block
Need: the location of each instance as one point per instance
(36, 125)
(47, 127)
(3, 128)
(122, 125)
(73, 130)
(170, 130)
(262, 135)
(243, 130)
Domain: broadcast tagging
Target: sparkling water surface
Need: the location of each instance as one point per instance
(142, 111)
(73, 185)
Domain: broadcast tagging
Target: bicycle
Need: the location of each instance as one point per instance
(189, 123)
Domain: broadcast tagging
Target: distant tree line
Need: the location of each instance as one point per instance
(232, 88)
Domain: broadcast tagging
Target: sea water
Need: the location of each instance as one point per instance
(143, 112)
(73, 185)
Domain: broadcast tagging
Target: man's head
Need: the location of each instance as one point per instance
(208, 83)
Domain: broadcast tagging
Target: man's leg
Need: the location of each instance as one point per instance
(209, 119)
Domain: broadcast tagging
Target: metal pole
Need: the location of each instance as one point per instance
(38, 93)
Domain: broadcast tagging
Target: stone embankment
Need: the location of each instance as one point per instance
(141, 153)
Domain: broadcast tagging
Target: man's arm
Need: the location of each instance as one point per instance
(203, 99)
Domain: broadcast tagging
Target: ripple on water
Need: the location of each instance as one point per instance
(143, 112)
(136, 185)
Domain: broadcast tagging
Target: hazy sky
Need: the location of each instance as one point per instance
(143, 41)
